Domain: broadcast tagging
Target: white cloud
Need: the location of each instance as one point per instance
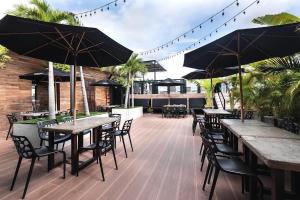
(144, 24)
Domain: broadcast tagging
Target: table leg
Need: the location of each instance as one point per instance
(51, 147)
(295, 176)
(252, 181)
(277, 184)
(74, 154)
(80, 140)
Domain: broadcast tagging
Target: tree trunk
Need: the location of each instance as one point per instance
(127, 92)
(51, 92)
(83, 89)
(132, 93)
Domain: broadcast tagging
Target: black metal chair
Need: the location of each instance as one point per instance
(125, 131)
(181, 111)
(58, 137)
(231, 165)
(109, 127)
(11, 119)
(103, 144)
(25, 150)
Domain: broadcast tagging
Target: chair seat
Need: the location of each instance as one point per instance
(44, 151)
(217, 137)
(236, 166)
(226, 149)
(58, 138)
(107, 127)
(93, 146)
(119, 133)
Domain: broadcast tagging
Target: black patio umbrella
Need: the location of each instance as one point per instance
(246, 46)
(106, 83)
(169, 82)
(210, 74)
(154, 66)
(42, 76)
(61, 43)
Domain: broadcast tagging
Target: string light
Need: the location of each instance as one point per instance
(204, 38)
(192, 30)
(101, 8)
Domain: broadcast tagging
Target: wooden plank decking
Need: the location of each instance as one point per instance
(165, 165)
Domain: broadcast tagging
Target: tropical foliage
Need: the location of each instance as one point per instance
(273, 86)
(209, 88)
(128, 73)
(4, 57)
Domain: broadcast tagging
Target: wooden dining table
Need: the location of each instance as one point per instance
(276, 148)
(95, 123)
(212, 116)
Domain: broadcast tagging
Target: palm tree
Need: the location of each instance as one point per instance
(128, 73)
(41, 10)
(209, 86)
(276, 19)
(4, 57)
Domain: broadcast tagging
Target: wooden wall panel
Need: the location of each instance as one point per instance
(15, 94)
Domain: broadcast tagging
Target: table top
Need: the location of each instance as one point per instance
(276, 153)
(81, 124)
(33, 114)
(216, 112)
(248, 122)
(175, 105)
(262, 131)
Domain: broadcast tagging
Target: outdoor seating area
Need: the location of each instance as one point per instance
(129, 100)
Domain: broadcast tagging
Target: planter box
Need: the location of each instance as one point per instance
(129, 113)
(31, 131)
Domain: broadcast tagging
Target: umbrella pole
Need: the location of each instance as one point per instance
(212, 92)
(74, 92)
(240, 78)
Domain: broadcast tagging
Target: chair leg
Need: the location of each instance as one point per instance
(9, 130)
(201, 148)
(63, 146)
(16, 173)
(130, 141)
(41, 142)
(28, 177)
(214, 183)
(206, 175)
(100, 162)
(243, 184)
(64, 162)
(113, 151)
(210, 174)
(124, 145)
(115, 141)
(203, 158)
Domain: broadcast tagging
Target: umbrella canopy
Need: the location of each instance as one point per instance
(42, 76)
(169, 82)
(154, 66)
(203, 74)
(106, 82)
(250, 45)
(246, 46)
(61, 43)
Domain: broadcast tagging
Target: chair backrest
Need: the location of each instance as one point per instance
(23, 146)
(67, 119)
(249, 114)
(42, 124)
(127, 126)
(11, 118)
(118, 122)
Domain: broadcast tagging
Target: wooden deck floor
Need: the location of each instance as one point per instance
(164, 165)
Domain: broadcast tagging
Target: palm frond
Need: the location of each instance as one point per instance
(276, 19)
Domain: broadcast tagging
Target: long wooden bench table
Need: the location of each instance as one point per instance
(75, 130)
(276, 148)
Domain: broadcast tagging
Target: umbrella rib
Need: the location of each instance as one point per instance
(69, 50)
(56, 41)
(93, 58)
(263, 52)
(39, 47)
(254, 40)
(70, 46)
(87, 48)
(105, 51)
(219, 54)
(80, 42)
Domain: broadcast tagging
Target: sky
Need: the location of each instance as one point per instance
(142, 25)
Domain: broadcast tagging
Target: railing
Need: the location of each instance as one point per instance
(222, 99)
